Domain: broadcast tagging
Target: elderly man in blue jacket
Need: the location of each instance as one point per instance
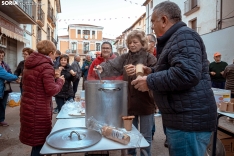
(181, 83)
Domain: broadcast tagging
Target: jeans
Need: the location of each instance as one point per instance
(3, 103)
(61, 101)
(182, 143)
(220, 85)
(154, 127)
(36, 150)
(75, 85)
(146, 125)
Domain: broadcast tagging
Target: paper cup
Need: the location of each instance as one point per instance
(139, 70)
(128, 124)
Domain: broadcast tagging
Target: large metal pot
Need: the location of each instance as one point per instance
(106, 102)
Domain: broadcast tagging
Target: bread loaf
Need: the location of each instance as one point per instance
(116, 135)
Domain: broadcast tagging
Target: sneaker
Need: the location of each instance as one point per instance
(4, 124)
(55, 111)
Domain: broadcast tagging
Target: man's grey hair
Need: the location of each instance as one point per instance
(76, 56)
(169, 9)
(153, 38)
(87, 55)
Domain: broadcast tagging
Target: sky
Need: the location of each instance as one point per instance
(118, 14)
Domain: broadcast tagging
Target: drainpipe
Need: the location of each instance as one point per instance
(221, 13)
(148, 21)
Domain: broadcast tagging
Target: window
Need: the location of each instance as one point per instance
(48, 33)
(190, 6)
(3, 41)
(93, 32)
(139, 22)
(74, 47)
(194, 24)
(151, 4)
(38, 34)
(86, 47)
(98, 46)
(86, 32)
(78, 31)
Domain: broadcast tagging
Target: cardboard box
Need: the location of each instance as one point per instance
(228, 143)
(221, 95)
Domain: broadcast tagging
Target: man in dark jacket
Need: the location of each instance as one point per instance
(76, 68)
(85, 68)
(57, 58)
(181, 83)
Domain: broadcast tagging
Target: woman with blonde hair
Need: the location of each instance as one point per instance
(140, 104)
(39, 86)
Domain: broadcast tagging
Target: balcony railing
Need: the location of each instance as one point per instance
(23, 11)
(54, 41)
(50, 14)
(40, 17)
(28, 6)
(54, 22)
(190, 6)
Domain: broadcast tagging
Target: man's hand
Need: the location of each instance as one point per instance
(212, 73)
(147, 70)
(140, 83)
(86, 67)
(99, 68)
(130, 69)
(222, 72)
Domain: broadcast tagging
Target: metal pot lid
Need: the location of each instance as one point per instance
(73, 138)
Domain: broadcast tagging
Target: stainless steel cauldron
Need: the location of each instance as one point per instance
(106, 102)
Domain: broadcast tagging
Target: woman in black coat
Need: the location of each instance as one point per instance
(67, 91)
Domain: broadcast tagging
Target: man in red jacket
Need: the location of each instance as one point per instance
(39, 85)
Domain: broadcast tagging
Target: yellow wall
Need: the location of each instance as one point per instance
(72, 35)
(64, 45)
(92, 46)
(99, 35)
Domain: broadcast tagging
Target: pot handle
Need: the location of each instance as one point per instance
(109, 89)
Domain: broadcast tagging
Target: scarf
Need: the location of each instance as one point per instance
(161, 41)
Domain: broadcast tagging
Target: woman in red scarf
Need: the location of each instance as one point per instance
(106, 54)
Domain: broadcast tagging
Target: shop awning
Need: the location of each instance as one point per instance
(13, 35)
